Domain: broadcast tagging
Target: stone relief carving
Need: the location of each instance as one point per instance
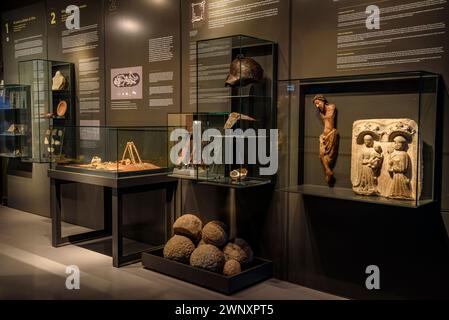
(385, 158)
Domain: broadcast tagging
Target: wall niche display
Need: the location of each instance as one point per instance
(385, 158)
(52, 107)
(389, 138)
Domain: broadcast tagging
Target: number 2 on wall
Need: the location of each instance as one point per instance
(53, 17)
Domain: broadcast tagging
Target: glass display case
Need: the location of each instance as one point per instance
(14, 121)
(52, 102)
(109, 152)
(235, 97)
(371, 138)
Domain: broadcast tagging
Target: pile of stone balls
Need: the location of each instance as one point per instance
(207, 247)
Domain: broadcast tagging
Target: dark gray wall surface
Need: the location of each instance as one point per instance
(404, 26)
(28, 194)
(84, 47)
(130, 25)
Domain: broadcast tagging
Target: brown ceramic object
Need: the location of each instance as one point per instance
(62, 108)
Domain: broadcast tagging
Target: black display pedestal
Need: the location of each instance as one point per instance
(114, 190)
(257, 271)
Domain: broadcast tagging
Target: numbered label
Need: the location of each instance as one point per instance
(53, 17)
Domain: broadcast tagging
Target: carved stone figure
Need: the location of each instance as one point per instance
(398, 167)
(385, 154)
(370, 162)
(329, 139)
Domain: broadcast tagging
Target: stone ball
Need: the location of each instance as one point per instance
(246, 247)
(208, 257)
(231, 268)
(215, 233)
(189, 226)
(179, 248)
(238, 250)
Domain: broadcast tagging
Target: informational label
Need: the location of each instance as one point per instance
(213, 68)
(23, 38)
(90, 130)
(224, 12)
(85, 38)
(123, 105)
(161, 83)
(89, 85)
(161, 49)
(28, 46)
(359, 37)
(126, 83)
(211, 19)
(146, 32)
(386, 33)
(82, 46)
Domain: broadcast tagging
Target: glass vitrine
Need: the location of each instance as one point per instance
(109, 152)
(14, 121)
(233, 136)
(52, 102)
(379, 134)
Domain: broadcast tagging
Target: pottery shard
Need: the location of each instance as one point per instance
(215, 233)
(189, 226)
(179, 248)
(231, 268)
(238, 250)
(208, 257)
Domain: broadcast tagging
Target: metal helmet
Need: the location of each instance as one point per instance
(244, 71)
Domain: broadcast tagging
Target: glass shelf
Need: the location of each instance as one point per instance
(12, 109)
(10, 155)
(348, 194)
(7, 134)
(234, 97)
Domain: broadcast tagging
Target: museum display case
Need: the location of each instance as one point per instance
(14, 121)
(108, 151)
(373, 138)
(52, 103)
(236, 94)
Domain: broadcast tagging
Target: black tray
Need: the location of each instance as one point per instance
(255, 272)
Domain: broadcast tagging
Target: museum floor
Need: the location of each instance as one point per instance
(30, 268)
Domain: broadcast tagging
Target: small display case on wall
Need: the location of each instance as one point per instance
(372, 138)
(235, 97)
(14, 121)
(109, 152)
(52, 102)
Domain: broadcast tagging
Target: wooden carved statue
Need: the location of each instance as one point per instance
(329, 139)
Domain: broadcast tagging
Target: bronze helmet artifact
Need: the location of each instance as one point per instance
(244, 71)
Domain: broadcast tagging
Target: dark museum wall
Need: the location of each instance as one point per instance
(322, 244)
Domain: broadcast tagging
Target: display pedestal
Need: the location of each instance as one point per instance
(257, 271)
(114, 190)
